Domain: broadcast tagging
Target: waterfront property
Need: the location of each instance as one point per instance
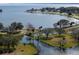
(39, 29)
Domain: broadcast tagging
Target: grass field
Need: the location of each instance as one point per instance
(70, 42)
(25, 50)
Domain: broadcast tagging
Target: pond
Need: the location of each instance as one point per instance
(45, 49)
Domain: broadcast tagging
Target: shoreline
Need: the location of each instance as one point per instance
(57, 13)
(56, 46)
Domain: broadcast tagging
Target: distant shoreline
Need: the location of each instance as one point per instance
(57, 13)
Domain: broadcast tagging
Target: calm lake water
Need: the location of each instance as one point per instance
(16, 13)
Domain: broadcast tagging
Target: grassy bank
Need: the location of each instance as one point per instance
(70, 42)
(76, 16)
(25, 50)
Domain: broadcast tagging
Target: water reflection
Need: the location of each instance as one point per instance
(45, 49)
(25, 40)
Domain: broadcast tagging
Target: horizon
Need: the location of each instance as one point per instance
(34, 4)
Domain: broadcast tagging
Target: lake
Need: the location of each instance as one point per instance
(16, 13)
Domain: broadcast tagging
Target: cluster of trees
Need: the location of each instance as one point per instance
(12, 28)
(31, 31)
(1, 26)
(61, 24)
(15, 26)
(49, 9)
(7, 44)
(68, 10)
(58, 27)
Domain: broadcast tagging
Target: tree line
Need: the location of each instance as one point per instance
(69, 10)
(8, 41)
(12, 27)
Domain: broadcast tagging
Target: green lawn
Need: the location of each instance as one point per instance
(70, 42)
(25, 50)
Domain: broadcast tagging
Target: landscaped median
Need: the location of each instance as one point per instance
(70, 42)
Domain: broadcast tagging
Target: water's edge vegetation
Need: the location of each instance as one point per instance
(65, 11)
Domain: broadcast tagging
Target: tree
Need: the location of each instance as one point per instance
(30, 31)
(13, 43)
(1, 26)
(62, 9)
(38, 35)
(69, 14)
(19, 26)
(16, 25)
(30, 28)
(47, 31)
(62, 44)
(60, 25)
(13, 25)
(75, 34)
(43, 10)
(63, 23)
(72, 23)
(39, 31)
